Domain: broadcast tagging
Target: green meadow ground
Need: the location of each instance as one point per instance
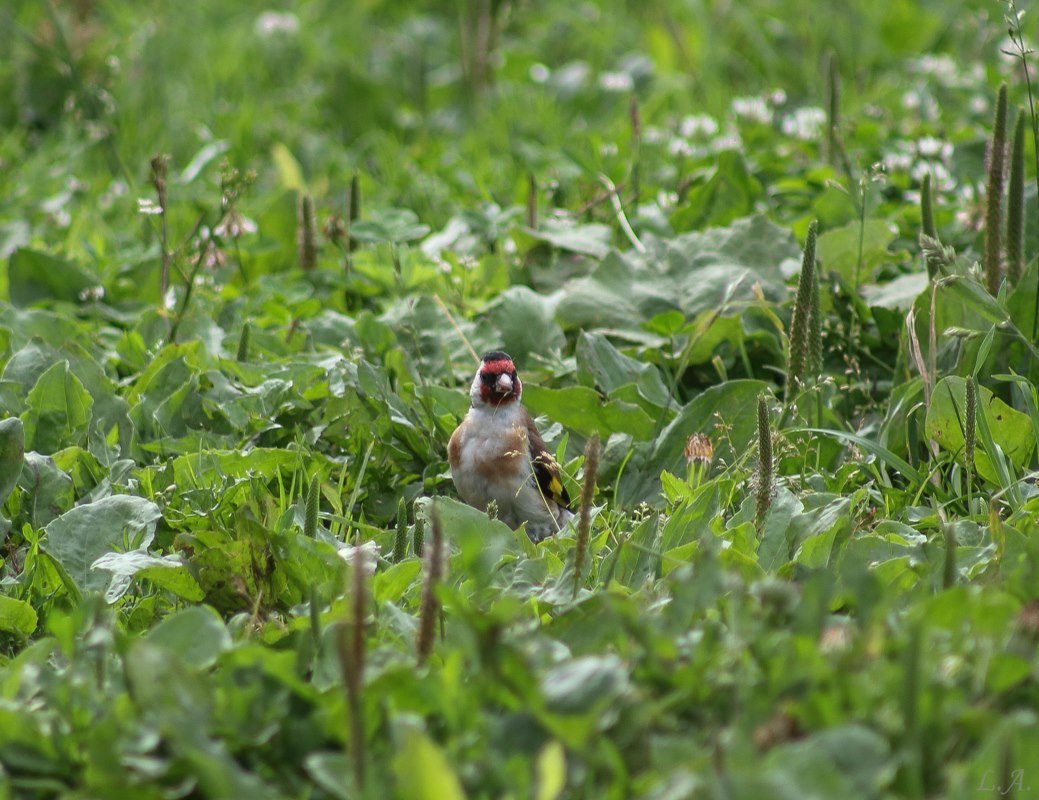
(246, 252)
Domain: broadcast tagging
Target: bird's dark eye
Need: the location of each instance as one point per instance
(488, 377)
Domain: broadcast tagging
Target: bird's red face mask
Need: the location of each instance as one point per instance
(498, 382)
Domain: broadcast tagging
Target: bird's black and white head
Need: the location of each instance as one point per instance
(496, 383)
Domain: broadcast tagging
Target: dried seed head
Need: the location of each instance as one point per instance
(635, 116)
(334, 229)
(306, 232)
(160, 169)
(765, 476)
(1028, 619)
(584, 522)
(970, 426)
(698, 448)
(429, 611)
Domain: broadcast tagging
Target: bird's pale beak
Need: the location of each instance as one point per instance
(504, 384)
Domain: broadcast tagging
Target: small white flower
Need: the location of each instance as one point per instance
(941, 176)
(148, 206)
(272, 23)
(805, 123)
(754, 109)
(651, 134)
(539, 73)
(92, 294)
(234, 225)
(616, 82)
(727, 141)
(898, 161)
(695, 125)
(930, 147)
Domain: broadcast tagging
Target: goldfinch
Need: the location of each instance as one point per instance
(497, 453)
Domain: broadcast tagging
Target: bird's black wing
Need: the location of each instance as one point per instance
(547, 472)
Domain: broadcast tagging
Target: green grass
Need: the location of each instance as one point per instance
(221, 507)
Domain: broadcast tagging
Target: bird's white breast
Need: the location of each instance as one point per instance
(492, 457)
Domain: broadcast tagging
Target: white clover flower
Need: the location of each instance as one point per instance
(694, 125)
(727, 141)
(942, 68)
(679, 147)
(805, 123)
(938, 172)
(539, 73)
(898, 162)
(930, 147)
(651, 134)
(616, 82)
(92, 294)
(754, 109)
(273, 23)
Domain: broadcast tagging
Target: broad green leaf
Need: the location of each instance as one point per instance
(611, 369)
(170, 572)
(16, 616)
(390, 584)
(81, 536)
(551, 771)
(733, 404)
(389, 225)
(724, 264)
(585, 684)
(332, 772)
(49, 490)
(1010, 429)
(729, 193)
(421, 769)
(779, 534)
(848, 760)
(12, 453)
(196, 635)
(982, 610)
(209, 468)
(524, 321)
(34, 275)
(582, 410)
(898, 294)
(856, 250)
(590, 240)
(481, 541)
(290, 173)
(59, 411)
